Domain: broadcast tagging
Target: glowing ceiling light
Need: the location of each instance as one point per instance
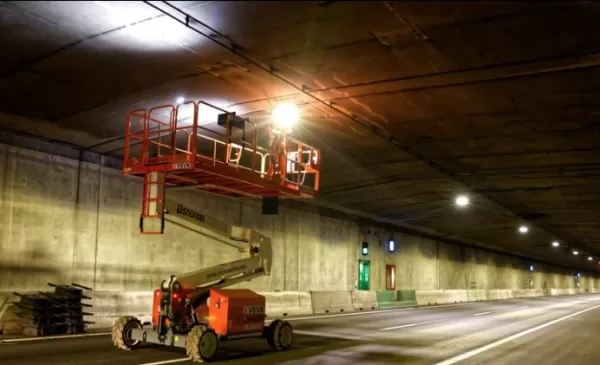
(158, 32)
(523, 229)
(590, 258)
(575, 252)
(286, 115)
(555, 244)
(180, 100)
(462, 201)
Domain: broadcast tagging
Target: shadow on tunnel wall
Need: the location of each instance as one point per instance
(36, 266)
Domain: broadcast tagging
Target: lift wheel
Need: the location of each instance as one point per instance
(280, 335)
(121, 332)
(202, 344)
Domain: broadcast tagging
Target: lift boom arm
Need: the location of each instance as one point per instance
(245, 239)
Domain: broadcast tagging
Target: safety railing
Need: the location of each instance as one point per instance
(174, 137)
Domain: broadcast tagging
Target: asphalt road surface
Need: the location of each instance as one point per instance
(556, 330)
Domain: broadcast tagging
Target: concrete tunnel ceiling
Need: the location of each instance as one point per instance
(412, 103)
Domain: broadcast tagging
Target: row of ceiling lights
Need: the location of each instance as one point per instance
(287, 114)
(463, 200)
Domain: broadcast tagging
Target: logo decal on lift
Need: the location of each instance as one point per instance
(190, 213)
(186, 165)
(254, 309)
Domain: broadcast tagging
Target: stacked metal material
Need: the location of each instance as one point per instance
(53, 313)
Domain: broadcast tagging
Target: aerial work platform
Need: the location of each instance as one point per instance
(196, 145)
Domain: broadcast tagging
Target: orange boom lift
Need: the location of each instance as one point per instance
(181, 147)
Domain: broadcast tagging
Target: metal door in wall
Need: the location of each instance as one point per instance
(390, 277)
(364, 278)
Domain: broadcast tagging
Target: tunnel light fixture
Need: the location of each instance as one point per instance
(531, 268)
(575, 252)
(523, 229)
(180, 100)
(286, 115)
(365, 248)
(391, 245)
(590, 258)
(555, 244)
(462, 200)
(578, 275)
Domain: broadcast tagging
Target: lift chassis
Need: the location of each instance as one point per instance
(201, 342)
(193, 311)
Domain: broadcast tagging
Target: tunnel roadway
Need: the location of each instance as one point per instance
(546, 330)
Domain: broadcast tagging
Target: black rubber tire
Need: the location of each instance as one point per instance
(280, 335)
(202, 344)
(119, 332)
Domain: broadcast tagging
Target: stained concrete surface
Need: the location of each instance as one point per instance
(65, 221)
(411, 336)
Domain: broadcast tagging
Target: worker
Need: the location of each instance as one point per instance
(277, 153)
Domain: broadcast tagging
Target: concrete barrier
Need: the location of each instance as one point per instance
(109, 306)
(327, 301)
(363, 300)
(407, 296)
(281, 304)
(433, 297)
(456, 296)
(557, 292)
(477, 295)
(528, 293)
(499, 294)
(9, 321)
(387, 299)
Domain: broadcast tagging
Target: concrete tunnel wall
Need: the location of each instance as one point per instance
(424, 264)
(48, 235)
(66, 221)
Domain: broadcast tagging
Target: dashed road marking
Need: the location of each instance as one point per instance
(492, 345)
(412, 325)
(481, 314)
(398, 327)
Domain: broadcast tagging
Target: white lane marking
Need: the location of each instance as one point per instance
(492, 345)
(481, 314)
(525, 306)
(411, 325)
(166, 362)
(398, 327)
(28, 339)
